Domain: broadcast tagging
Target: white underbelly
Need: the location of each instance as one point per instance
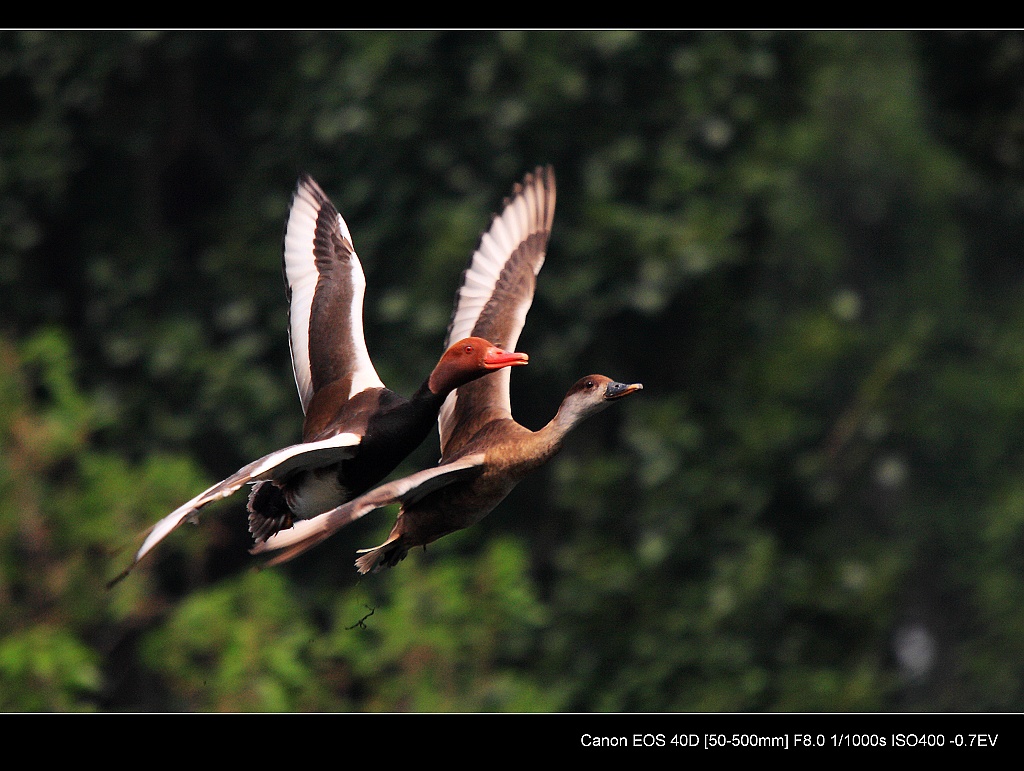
(319, 491)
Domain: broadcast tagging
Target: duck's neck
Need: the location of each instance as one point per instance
(552, 436)
(426, 401)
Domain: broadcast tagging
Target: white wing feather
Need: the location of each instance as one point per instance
(309, 203)
(276, 465)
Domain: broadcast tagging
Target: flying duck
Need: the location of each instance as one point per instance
(355, 430)
(484, 451)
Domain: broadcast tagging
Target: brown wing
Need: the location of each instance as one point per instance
(325, 285)
(492, 302)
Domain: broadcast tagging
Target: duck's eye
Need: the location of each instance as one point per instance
(468, 349)
(590, 384)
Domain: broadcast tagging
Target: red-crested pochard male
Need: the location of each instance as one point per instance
(484, 452)
(355, 431)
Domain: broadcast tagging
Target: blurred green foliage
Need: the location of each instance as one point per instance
(806, 245)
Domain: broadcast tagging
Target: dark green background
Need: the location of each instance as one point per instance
(806, 245)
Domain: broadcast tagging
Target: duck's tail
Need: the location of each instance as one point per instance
(387, 555)
(268, 511)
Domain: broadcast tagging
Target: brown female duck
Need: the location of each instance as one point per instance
(355, 431)
(484, 451)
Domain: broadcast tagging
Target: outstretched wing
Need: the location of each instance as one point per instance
(276, 465)
(324, 283)
(492, 302)
(307, 533)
